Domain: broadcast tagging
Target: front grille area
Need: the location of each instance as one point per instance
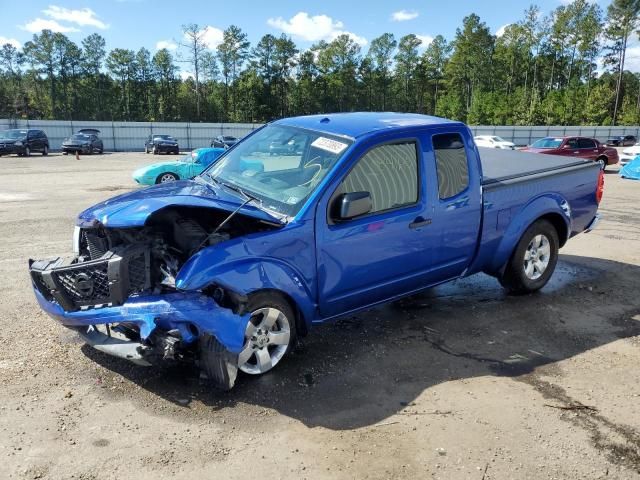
(108, 280)
(85, 284)
(138, 268)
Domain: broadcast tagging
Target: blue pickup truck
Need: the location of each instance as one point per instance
(228, 269)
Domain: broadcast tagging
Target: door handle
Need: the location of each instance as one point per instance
(420, 222)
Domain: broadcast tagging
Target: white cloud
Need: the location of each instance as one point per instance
(313, 28)
(403, 15)
(184, 75)
(10, 41)
(39, 24)
(632, 58)
(82, 17)
(425, 39)
(168, 44)
(501, 30)
(212, 36)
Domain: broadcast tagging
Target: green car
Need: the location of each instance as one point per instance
(187, 167)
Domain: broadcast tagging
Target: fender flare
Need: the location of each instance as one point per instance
(545, 205)
(246, 276)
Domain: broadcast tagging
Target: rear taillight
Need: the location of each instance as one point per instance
(600, 187)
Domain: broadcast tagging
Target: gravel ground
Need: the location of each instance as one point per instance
(462, 382)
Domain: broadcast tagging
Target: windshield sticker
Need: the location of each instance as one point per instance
(329, 145)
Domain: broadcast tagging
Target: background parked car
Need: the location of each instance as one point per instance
(579, 147)
(629, 154)
(493, 141)
(188, 166)
(621, 141)
(85, 141)
(224, 141)
(161, 144)
(23, 142)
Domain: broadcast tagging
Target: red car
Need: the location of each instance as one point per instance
(581, 147)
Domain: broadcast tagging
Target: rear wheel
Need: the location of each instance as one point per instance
(154, 150)
(603, 162)
(45, 150)
(27, 152)
(533, 260)
(166, 178)
(146, 149)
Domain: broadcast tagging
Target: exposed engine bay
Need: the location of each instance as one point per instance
(114, 263)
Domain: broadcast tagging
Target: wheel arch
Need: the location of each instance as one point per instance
(552, 207)
(250, 276)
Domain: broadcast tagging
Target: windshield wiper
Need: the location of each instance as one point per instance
(247, 197)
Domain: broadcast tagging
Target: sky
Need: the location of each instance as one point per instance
(156, 24)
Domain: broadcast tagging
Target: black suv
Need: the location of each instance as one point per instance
(223, 141)
(85, 141)
(23, 142)
(161, 143)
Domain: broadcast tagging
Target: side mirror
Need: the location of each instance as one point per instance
(351, 205)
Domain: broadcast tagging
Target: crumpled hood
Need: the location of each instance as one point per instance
(134, 208)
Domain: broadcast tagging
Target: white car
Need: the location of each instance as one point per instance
(629, 154)
(493, 141)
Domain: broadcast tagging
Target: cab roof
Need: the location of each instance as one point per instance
(357, 124)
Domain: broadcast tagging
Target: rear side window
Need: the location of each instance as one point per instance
(451, 164)
(586, 143)
(389, 173)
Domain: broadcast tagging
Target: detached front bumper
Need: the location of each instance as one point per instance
(191, 313)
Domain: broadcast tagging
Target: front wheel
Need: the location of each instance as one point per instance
(269, 335)
(27, 152)
(154, 150)
(533, 260)
(45, 151)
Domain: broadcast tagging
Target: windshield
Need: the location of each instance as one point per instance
(162, 137)
(547, 143)
(189, 157)
(80, 136)
(13, 134)
(280, 166)
(498, 139)
(229, 139)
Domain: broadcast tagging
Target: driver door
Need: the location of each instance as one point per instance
(386, 252)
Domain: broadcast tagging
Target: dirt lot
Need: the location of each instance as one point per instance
(461, 382)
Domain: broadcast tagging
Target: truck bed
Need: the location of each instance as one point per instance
(499, 166)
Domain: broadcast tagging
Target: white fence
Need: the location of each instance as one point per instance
(130, 136)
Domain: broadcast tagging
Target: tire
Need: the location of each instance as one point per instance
(270, 334)
(146, 149)
(522, 274)
(167, 177)
(27, 152)
(154, 150)
(45, 151)
(65, 153)
(101, 151)
(603, 162)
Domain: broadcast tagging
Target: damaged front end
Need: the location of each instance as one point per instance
(119, 290)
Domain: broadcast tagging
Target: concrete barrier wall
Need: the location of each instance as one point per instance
(130, 136)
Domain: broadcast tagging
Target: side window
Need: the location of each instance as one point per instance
(389, 173)
(451, 164)
(586, 143)
(573, 143)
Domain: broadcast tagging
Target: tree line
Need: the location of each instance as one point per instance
(541, 70)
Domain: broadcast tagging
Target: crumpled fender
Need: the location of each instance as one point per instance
(235, 268)
(536, 208)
